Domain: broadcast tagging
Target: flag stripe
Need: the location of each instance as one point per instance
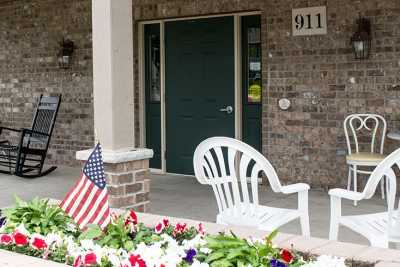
(72, 193)
(83, 200)
(100, 214)
(106, 219)
(97, 209)
(76, 195)
(94, 194)
(79, 198)
(101, 200)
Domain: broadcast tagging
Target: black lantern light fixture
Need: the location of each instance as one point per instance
(65, 53)
(361, 39)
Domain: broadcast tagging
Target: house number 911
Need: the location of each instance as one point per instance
(309, 21)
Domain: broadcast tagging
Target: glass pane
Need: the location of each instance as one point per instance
(154, 68)
(254, 65)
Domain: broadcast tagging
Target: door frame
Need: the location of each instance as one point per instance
(141, 62)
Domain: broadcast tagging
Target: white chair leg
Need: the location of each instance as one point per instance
(336, 212)
(355, 181)
(387, 187)
(349, 178)
(304, 217)
(383, 188)
(379, 242)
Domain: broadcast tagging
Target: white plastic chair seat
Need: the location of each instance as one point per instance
(266, 218)
(373, 226)
(379, 228)
(365, 158)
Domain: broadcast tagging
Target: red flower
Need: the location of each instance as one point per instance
(90, 259)
(179, 228)
(136, 261)
(159, 228)
(162, 265)
(286, 256)
(165, 222)
(5, 239)
(39, 243)
(201, 229)
(132, 218)
(20, 239)
(78, 262)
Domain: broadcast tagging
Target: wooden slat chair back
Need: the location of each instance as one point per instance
(232, 168)
(44, 119)
(28, 157)
(378, 228)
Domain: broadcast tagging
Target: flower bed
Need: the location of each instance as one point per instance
(42, 230)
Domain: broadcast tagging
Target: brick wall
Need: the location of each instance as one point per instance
(307, 142)
(29, 36)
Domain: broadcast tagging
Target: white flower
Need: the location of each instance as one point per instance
(114, 259)
(72, 248)
(54, 240)
(205, 250)
(327, 261)
(87, 244)
(196, 263)
(71, 228)
(196, 242)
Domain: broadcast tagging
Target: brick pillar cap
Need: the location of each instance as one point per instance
(118, 156)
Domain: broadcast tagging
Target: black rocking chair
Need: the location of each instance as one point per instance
(27, 158)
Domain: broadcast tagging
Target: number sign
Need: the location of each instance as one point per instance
(309, 21)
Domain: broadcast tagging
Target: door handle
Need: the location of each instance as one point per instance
(228, 109)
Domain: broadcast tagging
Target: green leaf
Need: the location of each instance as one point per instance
(215, 256)
(92, 232)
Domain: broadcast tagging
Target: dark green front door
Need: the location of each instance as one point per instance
(199, 82)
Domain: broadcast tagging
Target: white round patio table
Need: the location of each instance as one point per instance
(395, 135)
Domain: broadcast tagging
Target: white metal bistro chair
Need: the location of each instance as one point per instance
(357, 159)
(378, 228)
(225, 164)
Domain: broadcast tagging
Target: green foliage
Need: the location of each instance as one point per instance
(118, 235)
(231, 251)
(38, 216)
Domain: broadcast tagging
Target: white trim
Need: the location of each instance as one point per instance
(142, 91)
(238, 77)
(162, 89)
(156, 171)
(240, 14)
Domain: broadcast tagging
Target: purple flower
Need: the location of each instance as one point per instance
(276, 263)
(190, 255)
(2, 220)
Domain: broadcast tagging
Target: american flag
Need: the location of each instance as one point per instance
(87, 201)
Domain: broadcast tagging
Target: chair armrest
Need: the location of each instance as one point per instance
(295, 188)
(9, 129)
(342, 193)
(29, 131)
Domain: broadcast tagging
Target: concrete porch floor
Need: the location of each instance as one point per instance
(183, 196)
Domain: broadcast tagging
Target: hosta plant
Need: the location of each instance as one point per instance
(38, 216)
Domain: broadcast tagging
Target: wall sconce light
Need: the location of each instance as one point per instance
(65, 53)
(361, 39)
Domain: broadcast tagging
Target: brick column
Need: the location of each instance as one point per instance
(128, 177)
(129, 184)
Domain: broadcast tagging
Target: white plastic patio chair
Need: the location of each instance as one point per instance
(357, 159)
(378, 228)
(225, 164)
